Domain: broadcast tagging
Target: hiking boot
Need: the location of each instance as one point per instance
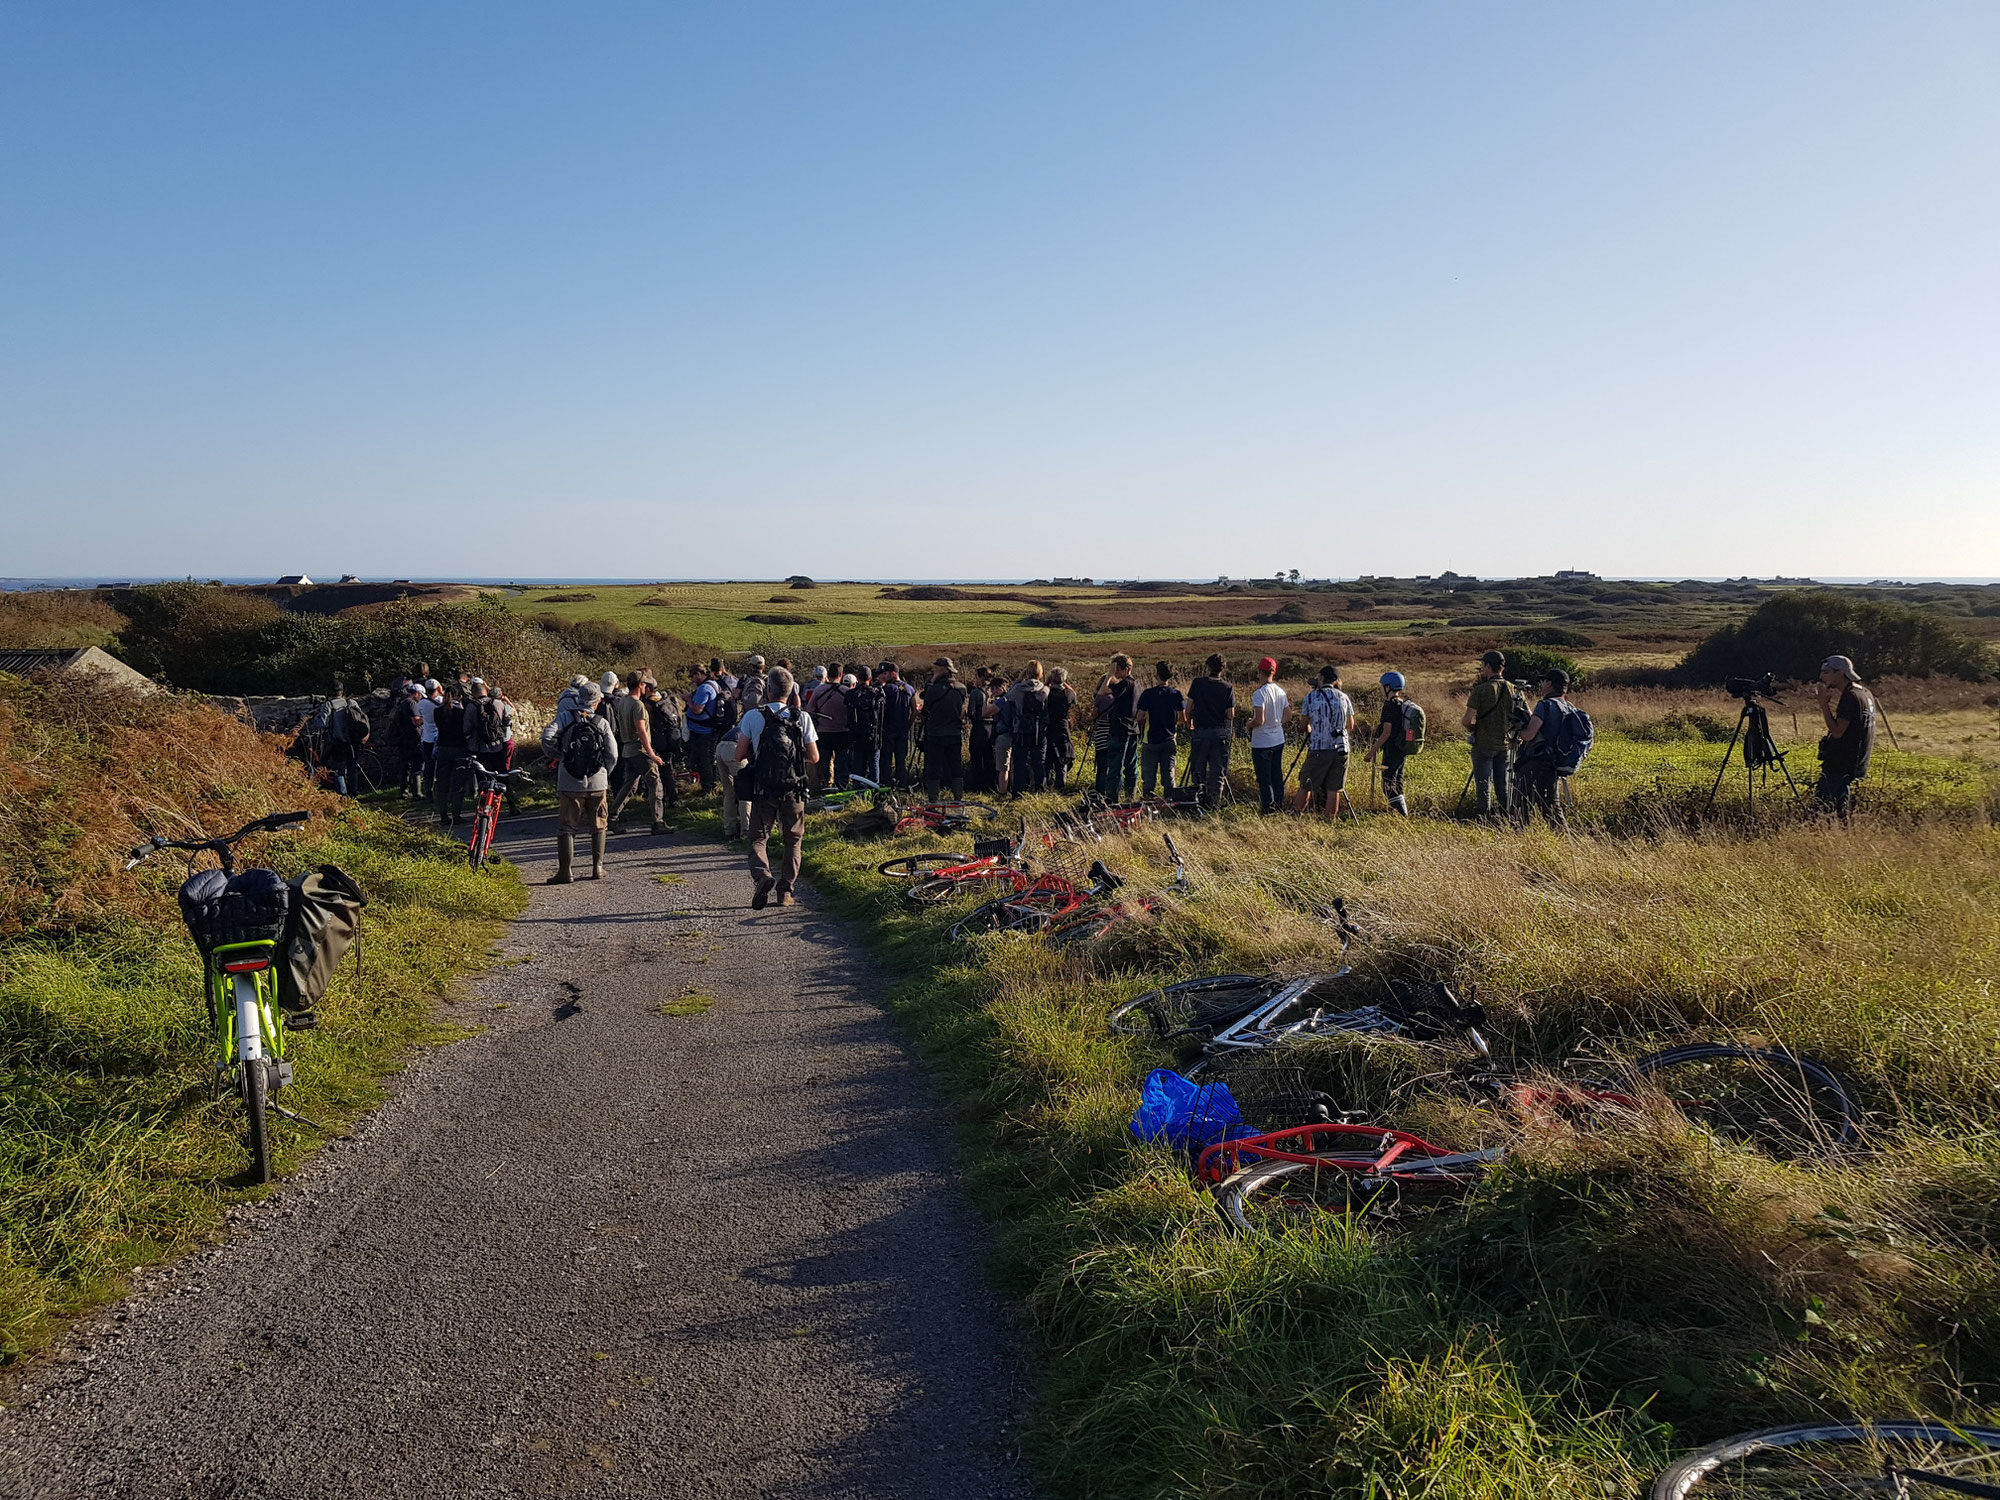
(761, 897)
(661, 828)
(784, 897)
(561, 877)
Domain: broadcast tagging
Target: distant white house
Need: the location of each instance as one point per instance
(294, 578)
(350, 578)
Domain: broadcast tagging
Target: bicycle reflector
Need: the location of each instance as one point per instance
(246, 965)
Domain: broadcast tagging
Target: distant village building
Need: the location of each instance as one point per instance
(294, 578)
(72, 661)
(1074, 583)
(1575, 575)
(350, 578)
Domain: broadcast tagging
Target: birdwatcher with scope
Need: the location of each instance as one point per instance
(1849, 742)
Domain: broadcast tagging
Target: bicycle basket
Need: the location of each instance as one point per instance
(248, 907)
(1001, 848)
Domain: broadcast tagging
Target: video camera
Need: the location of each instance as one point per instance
(1748, 688)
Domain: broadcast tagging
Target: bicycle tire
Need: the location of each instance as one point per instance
(1002, 914)
(1829, 1457)
(1801, 1107)
(932, 890)
(482, 837)
(368, 770)
(259, 1132)
(914, 866)
(1210, 1002)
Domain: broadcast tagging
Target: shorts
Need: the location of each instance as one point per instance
(579, 810)
(1325, 772)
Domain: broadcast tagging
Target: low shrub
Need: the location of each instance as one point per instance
(1549, 635)
(1792, 633)
(781, 619)
(33, 618)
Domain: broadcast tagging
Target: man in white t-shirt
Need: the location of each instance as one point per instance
(1268, 707)
(1328, 712)
(783, 808)
(429, 694)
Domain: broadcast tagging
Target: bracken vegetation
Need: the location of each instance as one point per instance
(111, 1152)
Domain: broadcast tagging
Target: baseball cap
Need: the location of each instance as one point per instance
(1393, 680)
(819, 674)
(1267, 663)
(758, 662)
(945, 662)
(1842, 665)
(1495, 659)
(590, 692)
(887, 666)
(431, 683)
(479, 682)
(848, 679)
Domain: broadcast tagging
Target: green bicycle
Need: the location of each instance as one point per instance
(259, 937)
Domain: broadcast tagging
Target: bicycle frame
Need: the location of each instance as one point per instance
(242, 1011)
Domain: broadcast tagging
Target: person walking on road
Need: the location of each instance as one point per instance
(586, 750)
(944, 714)
(1269, 705)
(1328, 712)
(1489, 714)
(638, 762)
(779, 746)
(1398, 736)
(1212, 722)
(1164, 709)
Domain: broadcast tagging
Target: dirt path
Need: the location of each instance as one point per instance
(595, 1252)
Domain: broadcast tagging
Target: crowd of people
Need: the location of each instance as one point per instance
(616, 739)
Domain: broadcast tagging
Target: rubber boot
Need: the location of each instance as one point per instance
(597, 854)
(565, 855)
(1399, 807)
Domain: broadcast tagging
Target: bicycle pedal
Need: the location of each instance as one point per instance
(301, 1020)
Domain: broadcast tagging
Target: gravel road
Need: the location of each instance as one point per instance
(596, 1251)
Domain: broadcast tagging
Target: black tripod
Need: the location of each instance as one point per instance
(1760, 752)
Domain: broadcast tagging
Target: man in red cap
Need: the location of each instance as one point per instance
(1268, 707)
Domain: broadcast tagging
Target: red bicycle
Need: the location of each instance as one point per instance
(489, 789)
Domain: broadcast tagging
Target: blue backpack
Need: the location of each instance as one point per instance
(1573, 737)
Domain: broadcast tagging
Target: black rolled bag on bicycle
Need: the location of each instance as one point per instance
(249, 907)
(324, 921)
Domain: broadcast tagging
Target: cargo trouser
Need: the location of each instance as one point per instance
(788, 816)
(634, 772)
(1208, 762)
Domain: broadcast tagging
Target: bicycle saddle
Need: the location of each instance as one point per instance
(1103, 876)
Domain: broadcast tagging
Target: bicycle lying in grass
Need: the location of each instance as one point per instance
(839, 799)
(489, 787)
(262, 943)
(1904, 1458)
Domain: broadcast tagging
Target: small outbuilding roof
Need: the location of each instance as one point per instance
(73, 660)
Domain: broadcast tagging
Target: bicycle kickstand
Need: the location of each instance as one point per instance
(279, 1109)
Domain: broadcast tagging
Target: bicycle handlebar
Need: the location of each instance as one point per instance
(271, 824)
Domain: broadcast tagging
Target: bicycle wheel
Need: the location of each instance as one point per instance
(1840, 1459)
(482, 835)
(1003, 914)
(252, 1082)
(1780, 1102)
(1271, 1197)
(1192, 1007)
(920, 866)
(368, 767)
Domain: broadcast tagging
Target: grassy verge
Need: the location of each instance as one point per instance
(1606, 1297)
(111, 1152)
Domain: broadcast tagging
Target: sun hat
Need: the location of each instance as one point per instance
(1393, 680)
(590, 692)
(945, 662)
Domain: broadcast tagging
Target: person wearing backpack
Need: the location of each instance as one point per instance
(1059, 743)
(1553, 746)
(899, 716)
(1328, 714)
(944, 708)
(452, 757)
(586, 751)
(1398, 736)
(828, 706)
(1028, 703)
(1118, 719)
(1211, 723)
(864, 725)
(780, 746)
(1164, 709)
(638, 761)
(406, 735)
(703, 698)
(1489, 715)
(669, 735)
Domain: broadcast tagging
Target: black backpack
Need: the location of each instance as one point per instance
(581, 749)
(486, 714)
(664, 718)
(944, 710)
(723, 712)
(864, 710)
(780, 766)
(350, 726)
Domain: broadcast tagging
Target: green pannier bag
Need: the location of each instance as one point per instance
(323, 923)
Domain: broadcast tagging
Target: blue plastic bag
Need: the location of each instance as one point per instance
(1184, 1114)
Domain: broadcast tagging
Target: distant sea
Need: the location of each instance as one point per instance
(98, 581)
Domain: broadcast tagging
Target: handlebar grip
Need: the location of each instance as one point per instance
(283, 820)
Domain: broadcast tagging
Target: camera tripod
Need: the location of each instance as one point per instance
(1760, 753)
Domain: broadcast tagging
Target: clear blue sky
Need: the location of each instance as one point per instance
(866, 289)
